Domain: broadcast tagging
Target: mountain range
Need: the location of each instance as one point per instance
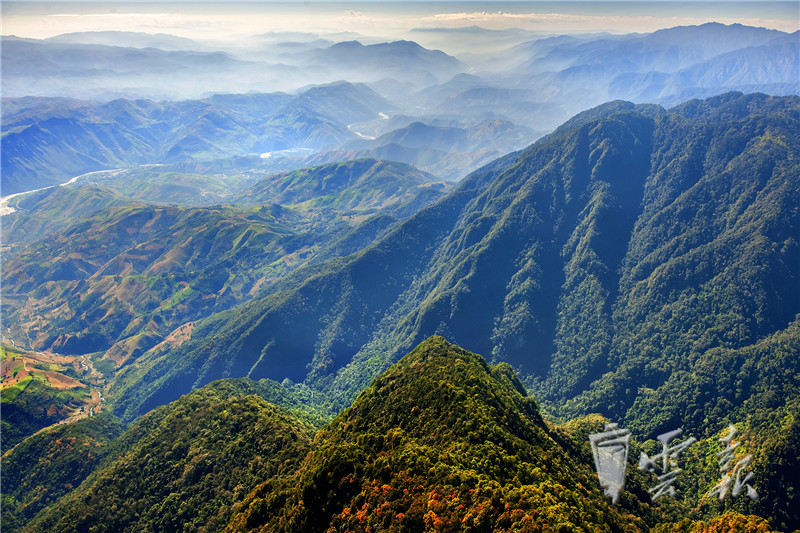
(148, 269)
(110, 65)
(405, 301)
(524, 261)
(666, 50)
(690, 320)
(46, 141)
(530, 89)
(441, 440)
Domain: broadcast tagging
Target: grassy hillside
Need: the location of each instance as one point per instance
(143, 270)
(42, 213)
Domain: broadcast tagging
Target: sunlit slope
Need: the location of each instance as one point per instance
(93, 272)
(349, 188)
(627, 244)
(441, 441)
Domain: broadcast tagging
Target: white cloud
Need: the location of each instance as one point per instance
(214, 21)
(571, 22)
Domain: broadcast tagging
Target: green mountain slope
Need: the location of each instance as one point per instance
(442, 442)
(605, 262)
(49, 465)
(711, 261)
(185, 464)
(120, 276)
(352, 188)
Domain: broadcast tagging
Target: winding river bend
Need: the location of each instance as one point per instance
(6, 207)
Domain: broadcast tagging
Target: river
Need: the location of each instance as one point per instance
(5, 202)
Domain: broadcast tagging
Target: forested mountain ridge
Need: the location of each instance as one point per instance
(638, 262)
(441, 440)
(182, 465)
(611, 249)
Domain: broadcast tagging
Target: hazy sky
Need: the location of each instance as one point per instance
(214, 21)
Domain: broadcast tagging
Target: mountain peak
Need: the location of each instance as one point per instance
(438, 440)
(430, 391)
(346, 45)
(406, 44)
(437, 351)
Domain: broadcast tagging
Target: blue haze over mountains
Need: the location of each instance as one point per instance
(531, 88)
